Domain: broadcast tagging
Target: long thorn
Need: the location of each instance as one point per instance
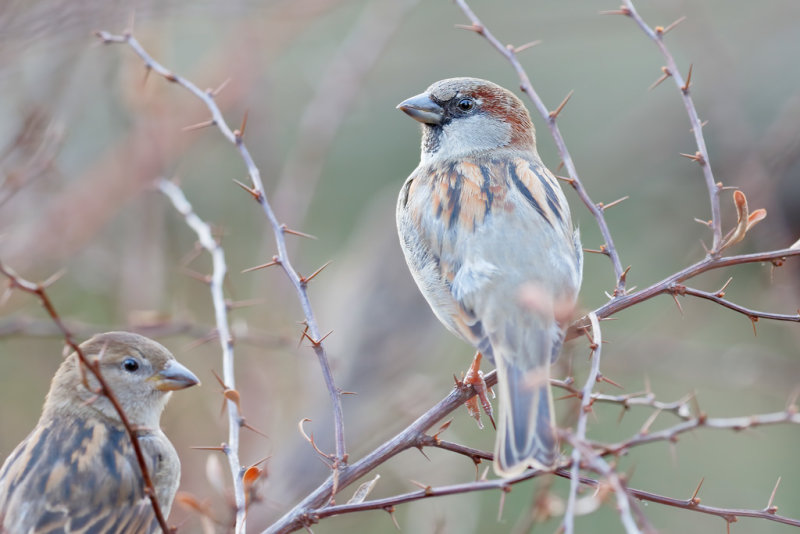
(199, 125)
(604, 207)
(288, 230)
(685, 87)
(525, 46)
(307, 279)
(673, 25)
(666, 74)
(256, 194)
(694, 500)
(554, 114)
(219, 89)
(275, 261)
(771, 509)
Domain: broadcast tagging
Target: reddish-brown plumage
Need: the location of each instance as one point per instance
(500, 102)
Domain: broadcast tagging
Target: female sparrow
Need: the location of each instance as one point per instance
(76, 471)
(487, 234)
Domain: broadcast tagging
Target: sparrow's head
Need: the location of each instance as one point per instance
(469, 116)
(140, 372)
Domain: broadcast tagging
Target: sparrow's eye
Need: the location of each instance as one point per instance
(130, 365)
(466, 104)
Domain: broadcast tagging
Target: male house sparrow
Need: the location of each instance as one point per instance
(487, 234)
(76, 471)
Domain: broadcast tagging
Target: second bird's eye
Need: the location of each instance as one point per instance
(466, 104)
(130, 365)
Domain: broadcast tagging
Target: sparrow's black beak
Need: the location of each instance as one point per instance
(421, 108)
(174, 376)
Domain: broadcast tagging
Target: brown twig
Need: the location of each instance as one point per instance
(657, 36)
(39, 291)
(236, 137)
(510, 54)
(730, 515)
(387, 504)
(584, 454)
(315, 506)
(300, 515)
(679, 407)
(679, 289)
(707, 264)
(737, 424)
(220, 268)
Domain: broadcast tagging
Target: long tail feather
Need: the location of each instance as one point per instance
(525, 433)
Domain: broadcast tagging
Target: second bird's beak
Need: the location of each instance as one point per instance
(421, 108)
(174, 376)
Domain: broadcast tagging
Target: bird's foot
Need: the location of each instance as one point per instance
(474, 378)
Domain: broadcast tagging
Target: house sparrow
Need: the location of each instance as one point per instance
(77, 471)
(487, 235)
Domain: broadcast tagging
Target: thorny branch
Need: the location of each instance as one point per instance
(510, 53)
(236, 137)
(580, 452)
(318, 504)
(216, 281)
(753, 315)
(679, 407)
(671, 70)
(668, 284)
(620, 299)
(730, 515)
(311, 515)
(40, 291)
(737, 424)
(301, 515)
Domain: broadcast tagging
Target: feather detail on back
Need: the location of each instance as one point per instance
(79, 476)
(77, 471)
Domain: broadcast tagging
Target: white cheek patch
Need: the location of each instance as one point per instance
(476, 133)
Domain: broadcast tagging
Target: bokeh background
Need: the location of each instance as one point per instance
(83, 137)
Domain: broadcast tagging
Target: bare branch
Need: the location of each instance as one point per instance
(388, 504)
(707, 264)
(411, 437)
(678, 289)
(679, 407)
(657, 37)
(737, 424)
(235, 420)
(581, 452)
(237, 139)
(730, 515)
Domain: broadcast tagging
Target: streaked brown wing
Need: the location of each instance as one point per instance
(75, 476)
(466, 192)
(448, 203)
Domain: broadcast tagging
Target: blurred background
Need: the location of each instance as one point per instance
(84, 136)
